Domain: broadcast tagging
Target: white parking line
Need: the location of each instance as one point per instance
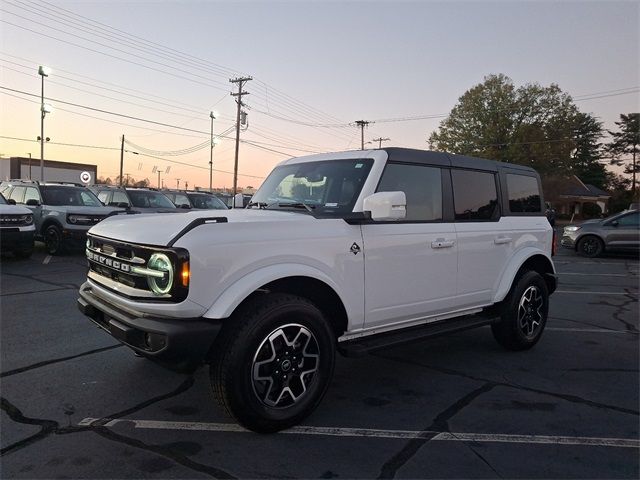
(596, 293)
(622, 263)
(376, 433)
(46, 260)
(589, 330)
(596, 274)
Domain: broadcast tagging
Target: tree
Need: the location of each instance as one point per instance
(588, 151)
(530, 125)
(625, 142)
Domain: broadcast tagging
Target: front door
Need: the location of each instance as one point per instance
(411, 265)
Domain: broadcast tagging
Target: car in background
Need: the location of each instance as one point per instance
(227, 198)
(620, 232)
(195, 200)
(62, 212)
(16, 229)
(135, 199)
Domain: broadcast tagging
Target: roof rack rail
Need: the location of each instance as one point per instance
(64, 183)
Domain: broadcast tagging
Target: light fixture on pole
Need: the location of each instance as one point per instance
(213, 116)
(44, 109)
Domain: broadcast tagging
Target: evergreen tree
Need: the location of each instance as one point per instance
(626, 142)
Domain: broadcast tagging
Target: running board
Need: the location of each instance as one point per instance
(360, 346)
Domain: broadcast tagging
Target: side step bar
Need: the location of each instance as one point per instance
(360, 346)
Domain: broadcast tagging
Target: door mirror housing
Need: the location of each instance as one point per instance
(238, 201)
(32, 202)
(386, 206)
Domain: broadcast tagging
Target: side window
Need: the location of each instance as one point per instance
(422, 185)
(630, 220)
(524, 195)
(32, 194)
(475, 196)
(17, 194)
(103, 195)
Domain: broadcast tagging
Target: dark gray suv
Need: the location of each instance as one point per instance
(141, 200)
(619, 232)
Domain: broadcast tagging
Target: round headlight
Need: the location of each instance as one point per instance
(28, 219)
(161, 263)
(73, 219)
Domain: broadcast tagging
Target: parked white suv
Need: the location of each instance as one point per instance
(349, 251)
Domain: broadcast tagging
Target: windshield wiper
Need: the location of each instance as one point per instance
(309, 208)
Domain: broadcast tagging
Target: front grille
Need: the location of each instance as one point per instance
(14, 220)
(112, 264)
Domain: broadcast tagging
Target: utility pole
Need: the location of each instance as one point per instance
(177, 184)
(241, 81)
(29, 165)
(380, 140)
(362, 124)
(121, 158)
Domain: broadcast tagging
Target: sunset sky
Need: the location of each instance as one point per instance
(317, 67)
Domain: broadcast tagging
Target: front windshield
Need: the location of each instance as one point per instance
(53, 195)
(329, 187)
(205, 201)
(149, 199)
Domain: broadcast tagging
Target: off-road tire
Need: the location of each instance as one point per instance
(239, 363)
(590, 246)
(53, 240)
(523, 313)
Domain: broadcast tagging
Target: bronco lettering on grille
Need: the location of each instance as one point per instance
(109, 262)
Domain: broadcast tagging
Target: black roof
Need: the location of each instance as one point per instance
(451, 160)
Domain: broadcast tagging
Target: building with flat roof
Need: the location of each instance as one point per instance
(54, 171)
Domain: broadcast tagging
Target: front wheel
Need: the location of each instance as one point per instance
(524, 313)
(273, 362)
(53, 240)
(590, 246)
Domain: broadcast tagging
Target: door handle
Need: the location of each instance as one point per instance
(502, 240)
(442, 243)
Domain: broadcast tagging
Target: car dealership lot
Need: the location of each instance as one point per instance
(77, 404)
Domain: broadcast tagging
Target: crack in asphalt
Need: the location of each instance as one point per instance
(620, 309)
(563, 396)
(580, 322)
(439, 424)
(36, 291)
(46, 282)
(51, 427)
(44, 363)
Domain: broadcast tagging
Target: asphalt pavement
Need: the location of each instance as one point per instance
(76, 404)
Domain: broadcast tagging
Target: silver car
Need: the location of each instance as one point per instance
(619, 232)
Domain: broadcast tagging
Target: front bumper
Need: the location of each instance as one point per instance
(569, 239)
(178, 344)
(19, 238)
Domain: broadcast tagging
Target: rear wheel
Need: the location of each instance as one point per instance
(53, 240)
(590, 246)
(524, 313)
(273, 362)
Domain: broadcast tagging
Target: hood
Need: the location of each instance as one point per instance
(157, 210)
(14, 210)
(160, 229)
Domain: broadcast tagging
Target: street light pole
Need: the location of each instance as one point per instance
(29, 165)
(43, 72)
(213, 117)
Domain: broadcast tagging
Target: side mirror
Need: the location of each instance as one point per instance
(185, 206)
(32, 202)
(122, 205)
(385, 206)
(11, 201)
(238, 201)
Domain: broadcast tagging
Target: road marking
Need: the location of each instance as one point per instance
(589, 330)
(596, 274)
(622, 263)
(46, 260)
(597, 293)
(376, 433)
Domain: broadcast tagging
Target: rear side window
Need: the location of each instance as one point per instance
(422, 186)
(524, 194)
(475, 196)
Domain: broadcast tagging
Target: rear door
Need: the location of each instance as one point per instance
(410, 265)
(625, 234)
(485, 239)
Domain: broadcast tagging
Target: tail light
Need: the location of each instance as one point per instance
(553, 243)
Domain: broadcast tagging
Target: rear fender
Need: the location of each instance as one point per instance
(514, 266)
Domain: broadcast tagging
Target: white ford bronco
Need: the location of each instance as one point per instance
(344, 252)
